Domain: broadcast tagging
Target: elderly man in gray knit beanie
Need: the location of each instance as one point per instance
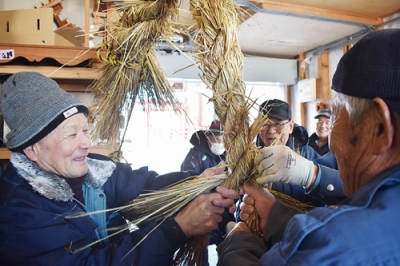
(33, 106)
(52, 177)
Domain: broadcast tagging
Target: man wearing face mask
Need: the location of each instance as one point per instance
(208, 149)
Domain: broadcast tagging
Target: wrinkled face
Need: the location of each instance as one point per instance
(63, 151)
(276, 131)
(323, 126)
(349, 143)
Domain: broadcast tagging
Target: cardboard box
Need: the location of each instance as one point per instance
(35, 26)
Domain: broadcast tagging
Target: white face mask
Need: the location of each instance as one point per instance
(217, 148)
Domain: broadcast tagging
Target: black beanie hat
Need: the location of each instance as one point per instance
(372, 68)
(276, 109)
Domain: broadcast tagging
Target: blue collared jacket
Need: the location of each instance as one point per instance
(363, 230)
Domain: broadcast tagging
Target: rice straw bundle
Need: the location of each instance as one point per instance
(221, 63)
(131, 70)
(148, 207)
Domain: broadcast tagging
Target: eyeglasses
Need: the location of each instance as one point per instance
(276, 126)
(328, 123)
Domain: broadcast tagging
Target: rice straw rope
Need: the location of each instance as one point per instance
(131, 71)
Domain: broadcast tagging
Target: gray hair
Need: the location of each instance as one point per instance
(356, 107)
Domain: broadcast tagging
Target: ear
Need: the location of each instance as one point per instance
(384, 129)
(30, 153)
(291, 126)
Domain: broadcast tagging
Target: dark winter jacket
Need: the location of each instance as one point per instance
(328, 187)
(35, 229)
(199, 159)
(363, 230)
(313, 143)
(200, 156)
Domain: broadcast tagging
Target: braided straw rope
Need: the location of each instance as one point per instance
(221, 63)
(131, 70)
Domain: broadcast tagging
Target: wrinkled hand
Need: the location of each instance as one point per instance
(227, 194)
(229, 226)
(216, 170)
(240, 227)
(282, 164)
(205, 212)
(256, 199)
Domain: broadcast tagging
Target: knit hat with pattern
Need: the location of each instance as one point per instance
(33, 106)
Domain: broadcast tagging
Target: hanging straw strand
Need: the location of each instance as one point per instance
(130, 69)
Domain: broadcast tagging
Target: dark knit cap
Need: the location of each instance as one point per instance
(33, 106)
(276, 109)
(324, 112)
(215, 128)
(371, 68)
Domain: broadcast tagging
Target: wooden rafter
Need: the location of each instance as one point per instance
(316, 12)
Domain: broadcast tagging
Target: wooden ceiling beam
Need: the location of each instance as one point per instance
(315, 12)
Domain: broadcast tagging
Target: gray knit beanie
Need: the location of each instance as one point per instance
(372, 68)
(33, 106)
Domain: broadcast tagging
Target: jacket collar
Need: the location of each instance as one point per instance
(364, 194)
(54, 187)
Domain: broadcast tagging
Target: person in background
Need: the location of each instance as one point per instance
(208, 149)
(312, 179)
(52, 175)
(281, 129)
(364, 229)
(319, 139)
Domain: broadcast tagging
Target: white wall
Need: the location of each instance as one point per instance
(255, 69)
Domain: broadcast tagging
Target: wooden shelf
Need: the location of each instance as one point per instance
(4, 154)
(67, 61)
(53, 72)
(64, 55)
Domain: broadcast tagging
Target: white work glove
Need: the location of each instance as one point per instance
(282, 164)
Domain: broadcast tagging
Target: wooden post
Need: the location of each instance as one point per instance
(323, 83)
(303, 106)
(87, 22)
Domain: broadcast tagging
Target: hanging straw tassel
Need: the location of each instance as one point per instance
(131, 70)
